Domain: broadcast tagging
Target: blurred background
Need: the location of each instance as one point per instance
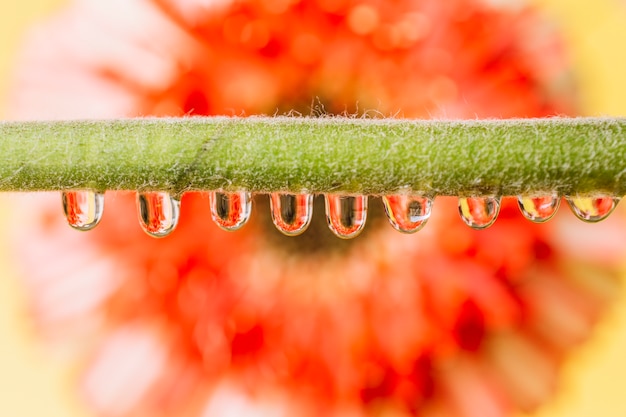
(33, 382)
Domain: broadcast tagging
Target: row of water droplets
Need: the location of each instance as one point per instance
(346, 215)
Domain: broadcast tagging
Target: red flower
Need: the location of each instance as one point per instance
(445, 322)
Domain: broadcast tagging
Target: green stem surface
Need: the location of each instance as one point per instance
(318, 155)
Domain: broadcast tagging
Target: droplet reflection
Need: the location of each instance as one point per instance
(539, 209)
(407, 213)
(291, 214)
(158, 213)
(230, 211)
(346, 215)
(592, 209)
(479, 212)
(83, 209)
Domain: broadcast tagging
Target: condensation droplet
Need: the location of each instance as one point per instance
(291, 214)
(407, 213)
(592, 209)
(346, 215)
(230, 211)
(479, 212)
(539, 209)
(83, 209)
(158, 213)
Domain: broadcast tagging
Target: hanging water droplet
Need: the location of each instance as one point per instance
(539, 209)
(230, 211)
(479, 212)
(83, 209)
(291, 214)
(407, 213)
(158, 213)
(346, 215)
(592, 209)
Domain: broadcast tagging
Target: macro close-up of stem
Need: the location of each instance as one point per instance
(263, 208)
(318, 155)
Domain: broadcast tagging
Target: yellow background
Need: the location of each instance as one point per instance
(35, 383)
(32, 382)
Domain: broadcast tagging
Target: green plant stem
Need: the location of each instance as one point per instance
(324, 155)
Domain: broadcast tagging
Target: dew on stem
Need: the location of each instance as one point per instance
(539, 209)
(158, 213)
(291, 214)
(83, 209)
(479, 212)
(407, 213)
(346, 215)
(592, 209)
(230, 211)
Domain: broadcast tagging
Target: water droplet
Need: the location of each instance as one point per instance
(592, 209)
(479, 212)
(230, 211)
(83, 209)
(346, 215)
(158, 213)
(539, 209)
(291, 214)
(407, 213)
